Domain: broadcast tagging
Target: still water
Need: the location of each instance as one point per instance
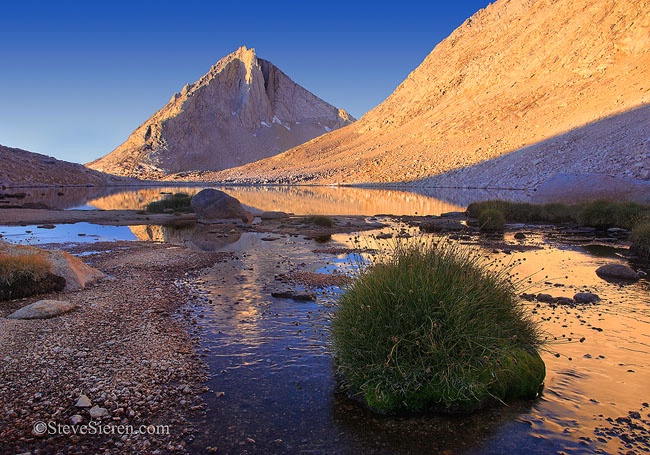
(301, 200)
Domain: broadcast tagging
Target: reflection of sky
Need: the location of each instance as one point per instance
(64, 233)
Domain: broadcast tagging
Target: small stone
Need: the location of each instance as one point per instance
(76, 419)
(520, 236)
(586, 297)
(546, 298)
(97, 413)
(83, 402)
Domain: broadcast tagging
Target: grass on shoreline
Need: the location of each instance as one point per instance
(598, 214)
(24, 273)
(177, 202)
(432, 328)
(641, 241)
(20, 265)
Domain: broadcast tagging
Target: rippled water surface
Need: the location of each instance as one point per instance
(273, 386)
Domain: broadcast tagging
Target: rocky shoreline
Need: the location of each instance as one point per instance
(126, 348)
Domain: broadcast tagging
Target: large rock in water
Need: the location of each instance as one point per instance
(43, 309)
(242, 110)
(211, 205)
(617, 272)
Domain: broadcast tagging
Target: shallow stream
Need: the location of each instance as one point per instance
(273, 388)
(272, 382)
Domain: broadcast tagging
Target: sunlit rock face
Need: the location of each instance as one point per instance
(242, 110)
(512, 77)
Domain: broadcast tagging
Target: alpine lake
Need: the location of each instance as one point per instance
(272, 385)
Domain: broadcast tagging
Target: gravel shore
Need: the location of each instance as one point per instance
(126, 348)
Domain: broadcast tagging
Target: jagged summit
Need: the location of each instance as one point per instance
(243, 109)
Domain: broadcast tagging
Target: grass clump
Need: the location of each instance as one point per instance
(432, 328)
(491, 220)
(24, 272)
(17, 265)
(641, 240)
(320, 220)
(177, 202)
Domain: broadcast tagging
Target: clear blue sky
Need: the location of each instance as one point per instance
(76, 78)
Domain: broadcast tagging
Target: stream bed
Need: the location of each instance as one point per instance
(272, 386)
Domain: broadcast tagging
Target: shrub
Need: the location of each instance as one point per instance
(491, 220)
(641, 240)
(432, 328)
(178, 202)
(320, 220)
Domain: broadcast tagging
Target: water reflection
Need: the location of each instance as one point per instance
(301, 200)
(270, 358)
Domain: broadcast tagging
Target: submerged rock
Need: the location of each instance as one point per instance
(43, 309)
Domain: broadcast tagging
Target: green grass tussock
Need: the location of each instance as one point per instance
(432, 328)
(178, 202)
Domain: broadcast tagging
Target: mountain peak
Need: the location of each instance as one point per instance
(243, 109)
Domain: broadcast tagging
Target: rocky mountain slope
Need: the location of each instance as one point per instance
(515, 74)
(20, 168)
(242, 110)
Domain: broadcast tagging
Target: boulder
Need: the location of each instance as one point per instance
(213, 205)
(617, 272)
(43, 309)
(77, 273)
(546, 298)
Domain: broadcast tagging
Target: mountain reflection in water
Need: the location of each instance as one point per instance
(301, 200)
